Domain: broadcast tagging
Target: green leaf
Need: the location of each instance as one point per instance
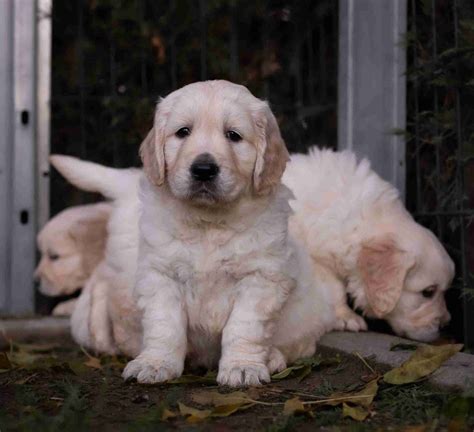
(424, 361)
(354, 412)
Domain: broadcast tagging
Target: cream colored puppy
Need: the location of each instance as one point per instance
(105, 319)
(355, 225)
(218, 279)
(71, 245)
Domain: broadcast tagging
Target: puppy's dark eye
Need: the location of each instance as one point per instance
(53, 256)
(183, 132)
(429, 292)
(233, 136)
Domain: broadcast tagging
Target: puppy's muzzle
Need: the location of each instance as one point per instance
(204, 168)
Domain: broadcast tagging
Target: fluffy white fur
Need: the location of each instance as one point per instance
(105, 318)
(354, 224)
(71, 244)
(218, 279)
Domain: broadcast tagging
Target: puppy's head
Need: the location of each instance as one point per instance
(404, 273)
(71, 245)
(213, 142)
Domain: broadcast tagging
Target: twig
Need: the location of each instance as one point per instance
(365, 362)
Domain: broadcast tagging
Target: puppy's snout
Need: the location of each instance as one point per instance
(204, 168)
(446, 318)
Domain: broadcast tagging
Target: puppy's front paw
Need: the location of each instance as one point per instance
(239, 375)
(150, 370)
(347, 319)
(276, 361)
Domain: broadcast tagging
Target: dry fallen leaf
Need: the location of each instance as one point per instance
(215, 398)
(93, 362)
(167, 414)
(209, 378)
(363, 397)
(424, 361)
(193, 415)
(293, 406)
(355, 412)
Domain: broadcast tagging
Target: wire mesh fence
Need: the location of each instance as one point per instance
(113, 59)
(440, 138)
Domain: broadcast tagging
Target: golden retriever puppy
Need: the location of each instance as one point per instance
(71, 245)
(219, 281)
(355, 225)
(105, 319)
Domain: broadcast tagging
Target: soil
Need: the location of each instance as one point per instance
(61, 388)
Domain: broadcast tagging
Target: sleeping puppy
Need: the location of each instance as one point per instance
(218, 279)
(355, 225)
(71, 245)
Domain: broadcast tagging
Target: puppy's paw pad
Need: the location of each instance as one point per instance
(276, 361)
(243, 375)
(148, 371)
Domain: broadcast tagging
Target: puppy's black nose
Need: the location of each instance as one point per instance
(204, 168)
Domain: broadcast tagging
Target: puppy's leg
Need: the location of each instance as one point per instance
(246, 338)
(65, 308)
(346, 318)
(99, 321)
(164, 330)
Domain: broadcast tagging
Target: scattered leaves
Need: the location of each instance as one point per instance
(423, 362)
(363, 397)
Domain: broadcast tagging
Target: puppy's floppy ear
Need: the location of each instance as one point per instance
(272, 154)
(152, 149)
(90, 234)
(383, 268)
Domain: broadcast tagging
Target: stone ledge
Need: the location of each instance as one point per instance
(457, 372)
(34, 330)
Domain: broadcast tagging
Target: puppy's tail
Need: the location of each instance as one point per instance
(113, 183)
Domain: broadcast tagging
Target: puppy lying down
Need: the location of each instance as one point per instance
(355, 226)
(71, 244)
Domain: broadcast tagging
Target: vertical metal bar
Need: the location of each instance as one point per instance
(82, 90)
(322, 76)
(43, 66)
(417, 110)
(113, 95)
(203, 37)
(367, 116)
(6, 148)
(234, 42)
(174, 66)
(23, 230)
(143, 74)
(468, 303)
(265, 38)
(310, 54)
(299, 80)
(439, 225)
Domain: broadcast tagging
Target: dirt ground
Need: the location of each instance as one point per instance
(61, 388)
